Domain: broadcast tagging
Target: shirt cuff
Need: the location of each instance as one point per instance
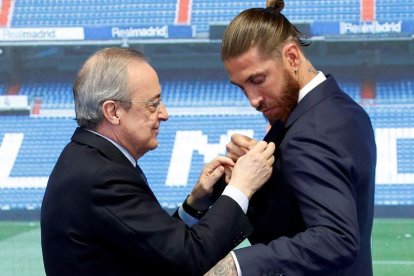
(230, 191)
(239, 273)
(237, 196)
(186, 218)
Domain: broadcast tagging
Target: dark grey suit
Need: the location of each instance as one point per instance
(314, 216)
(99, 217)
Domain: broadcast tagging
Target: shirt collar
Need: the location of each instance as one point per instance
(121, 148)
(319, 78)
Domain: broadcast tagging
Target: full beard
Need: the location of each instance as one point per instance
(288, 101)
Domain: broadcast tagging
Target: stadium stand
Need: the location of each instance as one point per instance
(202, 93)
(2, 89)
(405, 153)
(195, 93)
(70, 13)
(205, 13)
(176, 93)
(51, 95)
(43, 139)
(21, 198)
(41, 146)
(387, 10)
(388, 89)
(394, 195)
(64, 13)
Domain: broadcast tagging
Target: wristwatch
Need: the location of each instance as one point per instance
(192, 211)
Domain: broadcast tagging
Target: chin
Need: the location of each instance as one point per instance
(153, 145)
(271, 120)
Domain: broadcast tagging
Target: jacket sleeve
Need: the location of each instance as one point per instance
(320, 173)
(133, 221)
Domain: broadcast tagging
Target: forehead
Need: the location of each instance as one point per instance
(143, 80)
(248, 64)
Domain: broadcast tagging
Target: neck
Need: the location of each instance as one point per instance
(306, 73)
(312, 70)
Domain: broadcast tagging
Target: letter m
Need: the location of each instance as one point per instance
(186, 142)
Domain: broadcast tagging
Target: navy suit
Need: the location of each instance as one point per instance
(314, 215)
(99, 217)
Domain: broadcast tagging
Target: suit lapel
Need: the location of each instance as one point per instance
(318, 94)
(325, 89)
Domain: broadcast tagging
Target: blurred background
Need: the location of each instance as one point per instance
(368, 45)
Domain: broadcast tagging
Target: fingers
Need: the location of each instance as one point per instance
(266, 150)
(271, 160)
(234, 151)
(241, 140)
(254, 168)
(239, 146)
(220, 161)
(227, 173)
(211, 173)
(215, 169)
(222, 165)
(270, 149)
(259, 147)
(216, 174)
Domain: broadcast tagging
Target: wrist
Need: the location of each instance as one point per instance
(246, 191)
(192, 211)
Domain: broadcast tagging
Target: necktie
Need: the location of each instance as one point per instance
(276, 133)
(141, 174)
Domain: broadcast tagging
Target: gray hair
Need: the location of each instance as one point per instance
(104, 76)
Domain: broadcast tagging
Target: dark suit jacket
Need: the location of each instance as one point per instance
(99, 217)
(314, 216)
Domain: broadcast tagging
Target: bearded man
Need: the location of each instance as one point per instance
(314, 215)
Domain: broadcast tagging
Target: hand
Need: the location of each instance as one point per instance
(237, 147)
(226, 267)
(254, 168)
(200, 195)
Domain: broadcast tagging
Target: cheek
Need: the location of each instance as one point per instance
(274, 89)
(273, 97)
(149, 124)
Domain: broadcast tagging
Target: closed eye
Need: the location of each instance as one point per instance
(258, 79)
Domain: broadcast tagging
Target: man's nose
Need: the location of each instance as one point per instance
(163, 114)
(255, 99)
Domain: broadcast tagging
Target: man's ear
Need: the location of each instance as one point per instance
(291, 56)
(111, 112)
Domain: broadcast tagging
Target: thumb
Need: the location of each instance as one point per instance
(252, 143)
